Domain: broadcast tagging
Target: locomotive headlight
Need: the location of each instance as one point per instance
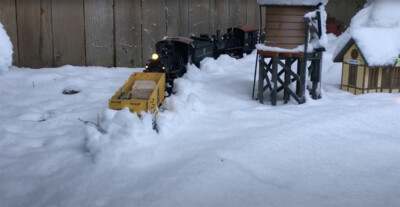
(163, 67)
(154, 56)
(146, 66)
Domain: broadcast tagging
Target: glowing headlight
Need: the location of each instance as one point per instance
(154, 56)
(146, 66)
(163, 68)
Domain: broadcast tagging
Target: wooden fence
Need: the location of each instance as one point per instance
(51, 33)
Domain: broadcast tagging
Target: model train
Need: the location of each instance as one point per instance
(173, 54)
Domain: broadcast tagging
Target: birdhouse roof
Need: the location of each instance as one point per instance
(376, 32)
(292, 2)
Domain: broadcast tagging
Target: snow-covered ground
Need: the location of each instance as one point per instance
(215, 147)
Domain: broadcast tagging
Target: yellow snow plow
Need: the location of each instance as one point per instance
(141, 92)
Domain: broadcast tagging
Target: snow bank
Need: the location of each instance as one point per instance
(180, 107)
(120, 133)
(6, 50)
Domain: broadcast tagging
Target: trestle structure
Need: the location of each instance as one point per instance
(287, 72)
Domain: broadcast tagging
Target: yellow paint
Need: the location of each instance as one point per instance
(379, 77)
(138, 105)
(344, 88)
(347, 55)
(358, 92)
(366, 75)
(352, 90)
(345, 74)
(372, 91)
(395, 90)
(360, 76)
(385, 90)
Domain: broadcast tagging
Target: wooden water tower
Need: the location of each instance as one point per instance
(289, 27)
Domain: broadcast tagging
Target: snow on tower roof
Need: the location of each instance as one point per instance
(376, 32)
(292, 2)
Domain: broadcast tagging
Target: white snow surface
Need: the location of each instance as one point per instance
(6, 50)
(215, 147)
(376, 31)
(292, 2)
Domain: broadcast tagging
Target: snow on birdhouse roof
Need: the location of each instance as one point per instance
(292, 2)
(376, 32)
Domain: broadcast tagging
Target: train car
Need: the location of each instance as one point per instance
(240, 40)
(173, 54)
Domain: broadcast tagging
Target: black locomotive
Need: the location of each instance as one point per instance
(173, 54)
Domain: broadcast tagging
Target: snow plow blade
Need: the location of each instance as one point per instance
(141, 92)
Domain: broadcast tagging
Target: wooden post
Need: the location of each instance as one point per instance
(261, 78)
(286, 94)
(274, 80)
(301, 84)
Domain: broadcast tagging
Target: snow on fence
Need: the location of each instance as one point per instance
(48, 33)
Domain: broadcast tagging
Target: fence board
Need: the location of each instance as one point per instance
(238, 12)
(128, 36)
(113, 32)
(99, 32)
(33, 44)
(253, 13)
(154, 25)
(199, 18)
(46, 36)
(177, 17)
(8, 19)
(221, 16)
(68, 32)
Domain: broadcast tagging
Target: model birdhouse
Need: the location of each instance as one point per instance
(284, 21)
(371, 57)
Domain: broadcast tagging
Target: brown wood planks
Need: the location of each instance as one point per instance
(285, 26)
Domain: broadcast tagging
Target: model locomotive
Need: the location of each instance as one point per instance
(173, 54)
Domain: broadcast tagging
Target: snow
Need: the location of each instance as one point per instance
(376, 31)
(292, 2)
(263, 47)
(319, 42)
(6, 50)
(215, 147)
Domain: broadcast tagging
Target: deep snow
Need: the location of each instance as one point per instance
(216, 146)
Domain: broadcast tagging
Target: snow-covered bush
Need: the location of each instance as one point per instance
(6, 50)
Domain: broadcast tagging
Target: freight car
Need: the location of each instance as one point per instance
(173, 54)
